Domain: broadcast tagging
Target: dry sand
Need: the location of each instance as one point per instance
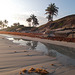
(14, 57)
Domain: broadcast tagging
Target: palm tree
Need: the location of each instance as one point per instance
(35, 20)
(1, 24)
(5, 23)
(18, 23)
(29, 21)
(52, 10)
(49, 17)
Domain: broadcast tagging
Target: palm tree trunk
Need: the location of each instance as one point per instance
(29, 24)
(52, 17)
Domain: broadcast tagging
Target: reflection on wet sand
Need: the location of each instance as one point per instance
(65, 55)
(32, 44)
(61, 49)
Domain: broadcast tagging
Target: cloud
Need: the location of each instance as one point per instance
(31, 12)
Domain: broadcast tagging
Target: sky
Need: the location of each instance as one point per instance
(19, 10)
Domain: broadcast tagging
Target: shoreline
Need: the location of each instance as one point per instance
(40, 35)
(33, 37)
(13, 62)
(54, 42)
(59, 43)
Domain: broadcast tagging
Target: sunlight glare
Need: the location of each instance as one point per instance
(6, 9)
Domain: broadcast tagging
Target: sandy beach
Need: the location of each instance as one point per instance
(15, 57)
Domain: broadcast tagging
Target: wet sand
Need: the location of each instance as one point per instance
(14, 57)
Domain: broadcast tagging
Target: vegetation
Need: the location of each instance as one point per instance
(29, 21)
(39, 35)
(49, 17)
(32, 19)
(35, 20)
(3, 24)
(51, 11)
(18, 28)
(67, 22)
(63, 23)
(13, 28)
(16, 24)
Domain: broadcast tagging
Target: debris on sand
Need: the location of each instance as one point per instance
(37, 70)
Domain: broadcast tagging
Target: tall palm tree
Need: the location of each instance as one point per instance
(52, 10)
(33, 16)
(29, 21)
(5, 23)
(35, 20)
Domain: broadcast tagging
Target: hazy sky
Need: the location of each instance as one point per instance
(20, 10)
